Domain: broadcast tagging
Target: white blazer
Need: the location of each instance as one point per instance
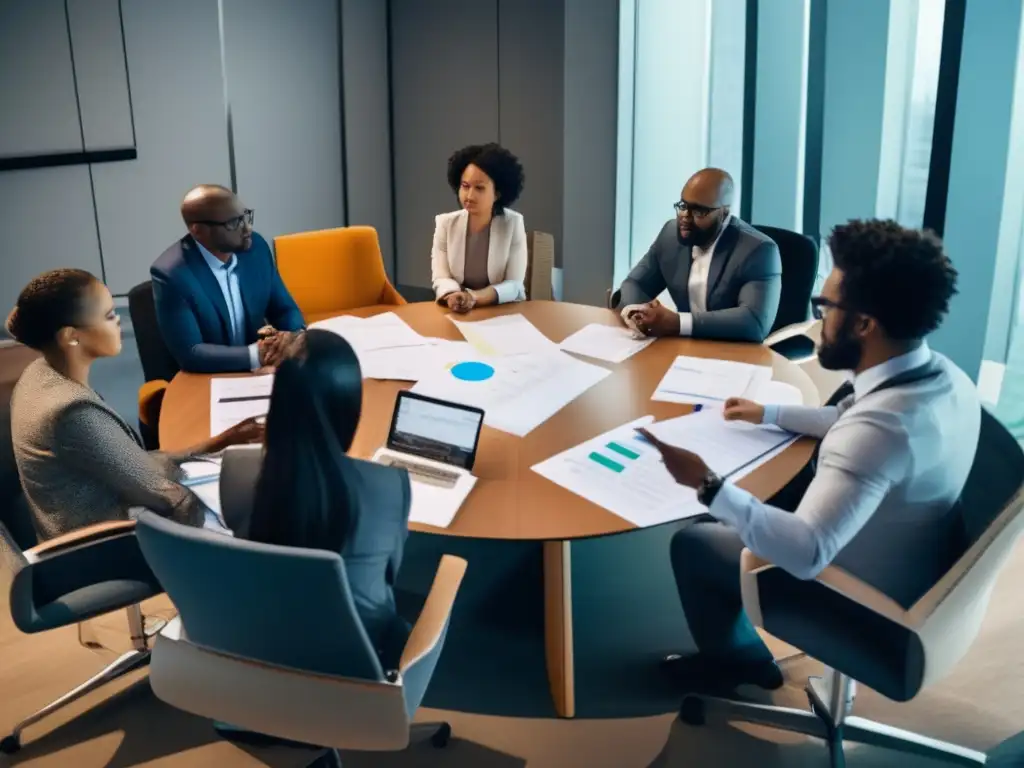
(506, 254)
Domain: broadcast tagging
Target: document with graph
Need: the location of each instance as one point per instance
(623, 473)
(518, 393)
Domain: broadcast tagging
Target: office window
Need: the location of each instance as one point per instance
(920, 121)
(680, 109)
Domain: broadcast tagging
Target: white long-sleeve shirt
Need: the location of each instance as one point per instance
(892, 464)
(697, 285)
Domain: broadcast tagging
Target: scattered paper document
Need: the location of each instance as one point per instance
(777, 393)
(704, 381)
(623, 473)
(517, 393)
(411, 363)
(202, 477)
(234, 400)
(504, 335)
(731, 449)
(200, 469)
(605, 342)
(384, 331)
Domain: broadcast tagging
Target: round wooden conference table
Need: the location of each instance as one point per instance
(514, 516)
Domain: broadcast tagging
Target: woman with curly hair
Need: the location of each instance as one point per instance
(479, 252)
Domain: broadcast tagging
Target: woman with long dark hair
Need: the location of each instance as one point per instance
(310, 493)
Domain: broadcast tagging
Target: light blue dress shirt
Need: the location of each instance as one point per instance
(226, 274)
(891, 466)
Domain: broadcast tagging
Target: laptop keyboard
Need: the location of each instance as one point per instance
(421, 472)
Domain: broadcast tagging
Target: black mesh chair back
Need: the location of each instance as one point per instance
(157, 360)
(799, 269)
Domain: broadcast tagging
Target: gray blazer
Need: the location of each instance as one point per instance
(80, 463)
(372, 554)
(744, 282)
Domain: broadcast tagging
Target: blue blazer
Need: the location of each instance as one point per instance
(193, 315)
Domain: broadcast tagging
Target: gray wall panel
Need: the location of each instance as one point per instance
(102, 78)
(174, 60)
(444, 62)
(37, 90)
(531, 46)
(590, 142)
(47, 220)
(367, 115)
(283, 86)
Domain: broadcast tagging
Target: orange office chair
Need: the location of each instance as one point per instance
(333, 270)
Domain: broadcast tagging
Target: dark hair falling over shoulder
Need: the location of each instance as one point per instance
(306, 495)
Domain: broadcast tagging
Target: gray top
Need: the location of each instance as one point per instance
(373, 551)
(80, 463)
(477, 246)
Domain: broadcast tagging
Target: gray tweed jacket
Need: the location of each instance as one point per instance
(80, 463)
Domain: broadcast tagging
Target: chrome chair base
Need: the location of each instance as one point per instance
(831, 701)
(122, 665)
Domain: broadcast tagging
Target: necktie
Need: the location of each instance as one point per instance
(844, 391)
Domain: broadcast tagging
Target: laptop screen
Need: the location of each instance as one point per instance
(435, 429)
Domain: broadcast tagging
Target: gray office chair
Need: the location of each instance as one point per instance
(862, 635)
(268, 639)
(70, 579)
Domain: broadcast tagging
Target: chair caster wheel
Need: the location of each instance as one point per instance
(442, 736)
(691, 711)
(10, 744)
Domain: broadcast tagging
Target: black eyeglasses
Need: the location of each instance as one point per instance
(820, 307)
(233, 224)
(697, 211)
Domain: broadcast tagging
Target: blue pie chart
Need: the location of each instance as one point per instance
(472, 371)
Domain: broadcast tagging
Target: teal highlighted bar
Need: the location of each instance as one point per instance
(623, 451)
(604, 461)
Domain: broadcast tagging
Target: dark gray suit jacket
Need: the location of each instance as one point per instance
(372, 554)
(744, 282)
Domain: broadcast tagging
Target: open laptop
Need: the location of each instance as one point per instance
(435, 441)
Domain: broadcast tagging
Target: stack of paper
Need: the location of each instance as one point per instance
(517, 392)
(387, 347)
(504, 335)
(703, 381)
(410, 363)
(777, 393)
(732, 449)
(605, 342)
(202, 477)
(623, 473)
(384, 331)
(234, 400)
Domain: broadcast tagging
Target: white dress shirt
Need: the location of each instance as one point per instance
(892, 464)
(697, 286)
(226, 273)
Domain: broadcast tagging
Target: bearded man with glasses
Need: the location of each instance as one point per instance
(220, 302)
(724, 276)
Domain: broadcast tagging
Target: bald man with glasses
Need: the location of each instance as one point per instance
(724, 276)
(220, 301)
